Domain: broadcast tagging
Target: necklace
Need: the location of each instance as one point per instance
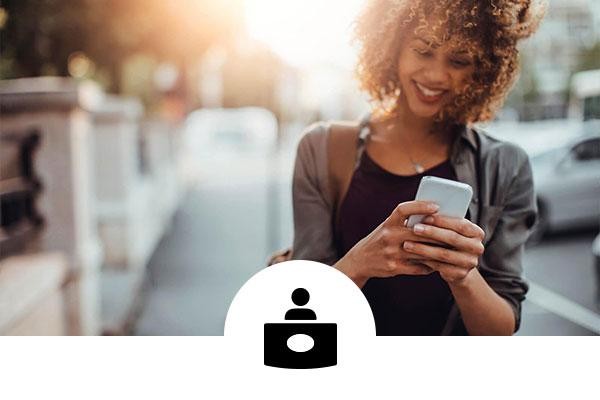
(418, 167)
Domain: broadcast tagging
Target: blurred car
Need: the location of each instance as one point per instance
(596, 252)
(246, 130)
(220, 143)
(567, 181)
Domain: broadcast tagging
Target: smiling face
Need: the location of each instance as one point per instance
(432, 72)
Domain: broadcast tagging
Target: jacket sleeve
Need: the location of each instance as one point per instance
(313, 230)
(502, 262)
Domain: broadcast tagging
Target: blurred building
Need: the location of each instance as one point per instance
(248, 73)
(245, 72)
(553, 54)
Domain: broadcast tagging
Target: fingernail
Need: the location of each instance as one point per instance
(433, 207)
(408, 245)
(419, 228)
(428, 220)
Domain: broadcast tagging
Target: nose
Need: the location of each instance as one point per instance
(436, 75)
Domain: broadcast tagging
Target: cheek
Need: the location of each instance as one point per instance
(462, 80)
(407, 65)
(401, 71)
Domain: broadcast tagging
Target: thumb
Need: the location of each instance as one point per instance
(402, 211)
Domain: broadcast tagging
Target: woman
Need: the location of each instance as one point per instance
(432, 69)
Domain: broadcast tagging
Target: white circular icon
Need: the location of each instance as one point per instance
(299, 314)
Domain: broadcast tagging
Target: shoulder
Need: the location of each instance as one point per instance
(317, 132)
(313, 136)
(311, 151)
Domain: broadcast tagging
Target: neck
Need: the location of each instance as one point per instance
(406, 125)
(411, 125)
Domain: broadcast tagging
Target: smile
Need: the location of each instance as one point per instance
(427, 94)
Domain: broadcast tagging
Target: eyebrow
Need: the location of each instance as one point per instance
(427, 42)
(434, 46)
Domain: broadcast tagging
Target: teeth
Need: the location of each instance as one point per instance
(429, 92)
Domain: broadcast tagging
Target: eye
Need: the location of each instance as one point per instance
(460, 63)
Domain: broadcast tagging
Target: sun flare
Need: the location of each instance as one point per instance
(305, 32)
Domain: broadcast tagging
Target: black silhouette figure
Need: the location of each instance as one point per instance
(300, 297)
(324, 336)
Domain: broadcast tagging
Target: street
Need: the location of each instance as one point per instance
(564, 285)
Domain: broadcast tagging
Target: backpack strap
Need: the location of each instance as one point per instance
(341, 153)
(344, 148)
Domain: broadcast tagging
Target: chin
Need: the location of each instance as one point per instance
(425, 112)
(421, 108)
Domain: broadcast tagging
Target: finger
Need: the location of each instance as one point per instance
(397, 266)
(412, 237)
(453, 238)
(416, 268)
(447, 271)
(410, 257)
(404, 210)
(459, 225)
(396, 251)
(448, 256)
(395, 236)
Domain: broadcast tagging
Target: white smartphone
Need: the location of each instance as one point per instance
(453, 197)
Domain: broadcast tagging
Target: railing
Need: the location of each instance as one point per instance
(83, 174)
(46, 170)
(20, 221)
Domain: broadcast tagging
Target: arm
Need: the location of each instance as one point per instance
(347, 265)
(313, 231)
(483, 311)
(489, 297)
(502, 263)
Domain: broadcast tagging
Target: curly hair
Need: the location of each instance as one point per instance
(490, 29)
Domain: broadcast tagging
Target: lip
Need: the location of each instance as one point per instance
(428, 99)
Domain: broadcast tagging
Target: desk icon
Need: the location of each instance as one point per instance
(323, 352)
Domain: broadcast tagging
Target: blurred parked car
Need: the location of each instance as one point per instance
(567, 180)
(596, 252)
(220, 143)
(247, 130)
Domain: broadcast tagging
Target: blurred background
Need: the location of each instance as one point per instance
(147, 148)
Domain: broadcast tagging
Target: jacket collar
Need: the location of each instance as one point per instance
(464, 137)
(468, 135)
(464, 159)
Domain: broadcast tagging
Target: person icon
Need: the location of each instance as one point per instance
(300, 297)
(300, 321)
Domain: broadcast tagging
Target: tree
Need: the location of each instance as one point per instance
(39, 36)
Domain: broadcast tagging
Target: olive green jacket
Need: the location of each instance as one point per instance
(503, 205)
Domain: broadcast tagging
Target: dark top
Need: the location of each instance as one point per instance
(403, 304)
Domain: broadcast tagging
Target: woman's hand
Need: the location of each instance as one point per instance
(381, 253)
(464, 237)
